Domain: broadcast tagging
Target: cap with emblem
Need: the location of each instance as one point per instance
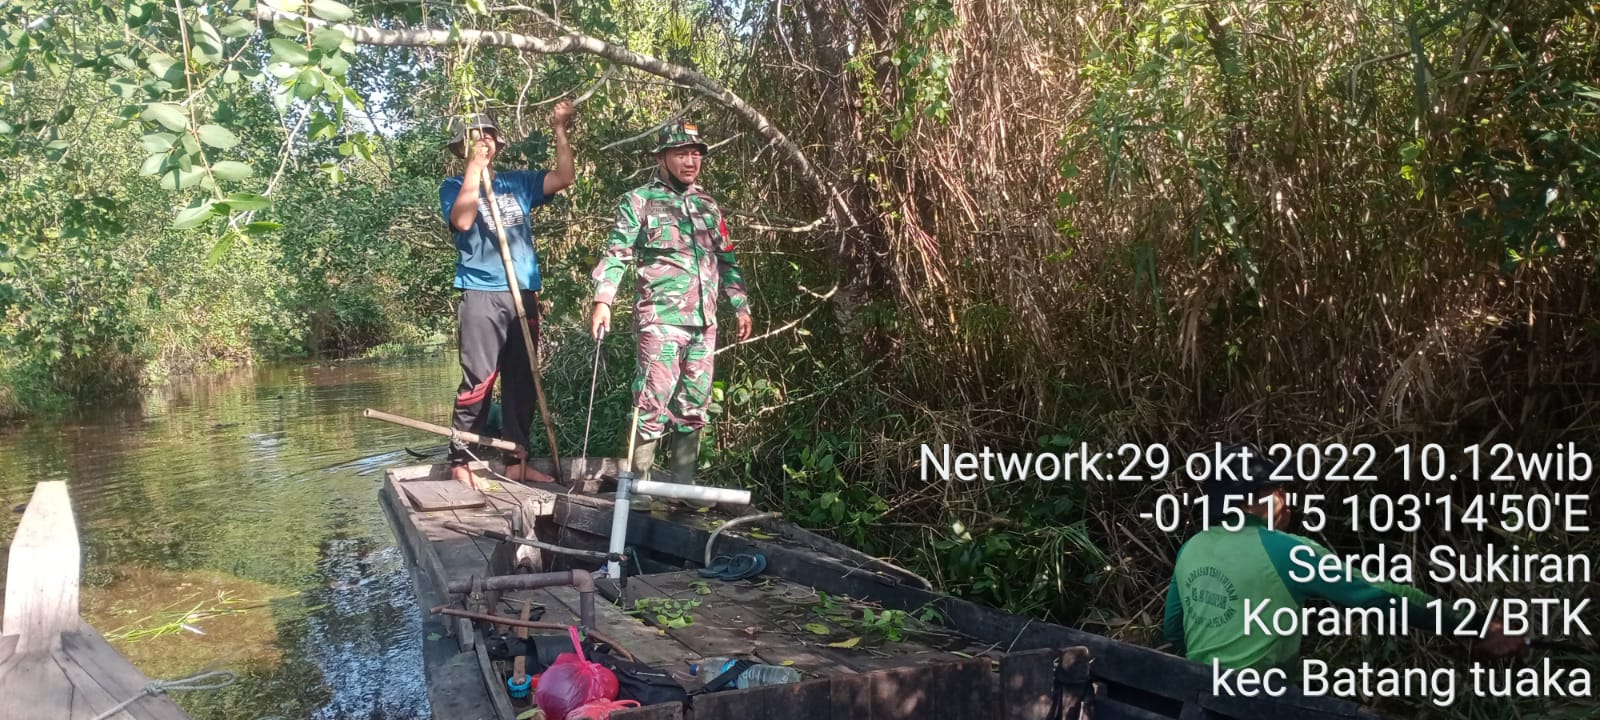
(678, 135)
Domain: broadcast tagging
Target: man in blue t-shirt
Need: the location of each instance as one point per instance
(491, 338)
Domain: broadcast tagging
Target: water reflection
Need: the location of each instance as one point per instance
(233, 523)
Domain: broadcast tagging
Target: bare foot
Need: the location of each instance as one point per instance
(464, 475)
(527, 473)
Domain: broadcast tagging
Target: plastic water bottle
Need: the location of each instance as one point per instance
(753, 676)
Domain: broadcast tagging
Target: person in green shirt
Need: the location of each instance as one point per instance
(1246, 559)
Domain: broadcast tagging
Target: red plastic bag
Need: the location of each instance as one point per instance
(572, 682)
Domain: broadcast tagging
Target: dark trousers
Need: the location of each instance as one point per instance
(492, 347)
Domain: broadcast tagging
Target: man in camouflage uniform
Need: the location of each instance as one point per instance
(685, 257)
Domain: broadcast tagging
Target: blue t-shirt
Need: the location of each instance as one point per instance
(479, 266)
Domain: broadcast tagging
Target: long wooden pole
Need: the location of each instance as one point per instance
(441, 430)
(522, 316)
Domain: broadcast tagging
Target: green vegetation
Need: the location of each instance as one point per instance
(1039, 225)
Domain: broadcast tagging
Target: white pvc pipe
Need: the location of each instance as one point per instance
(688, 492)
(619, 525)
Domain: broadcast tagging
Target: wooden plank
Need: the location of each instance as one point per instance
(90, 698)
(959, 690)
(663, 652)
(737, 607)
(1136, 667)
(34, 688)
(1026, 681)
(762, 608)
(120, 678)
(810, 700)
(42, 577)
(494, 684)
(739, 627)
(434, 495)
(701, 637)
(850, 697)
(433, 577)
(750, 703)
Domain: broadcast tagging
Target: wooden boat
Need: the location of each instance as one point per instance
(819, 607)
(52, 664)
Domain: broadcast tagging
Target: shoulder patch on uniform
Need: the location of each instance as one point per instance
(727, 241)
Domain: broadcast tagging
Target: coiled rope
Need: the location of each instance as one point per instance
(193, 682)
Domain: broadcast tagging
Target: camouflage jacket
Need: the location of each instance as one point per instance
(684, 255)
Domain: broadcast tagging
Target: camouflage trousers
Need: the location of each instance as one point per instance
(672, 379)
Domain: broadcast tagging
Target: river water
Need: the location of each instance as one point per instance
(233, 523)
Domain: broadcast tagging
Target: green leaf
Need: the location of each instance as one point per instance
(123, 87)
(308, 84)
(817, 628)
(230, 76)
(282, 71)
(238, 27)
(167, 114)
(219, 251)
(193, 217)
(328, 39)
(182, 179)
(231, 170)
(7, 128)
(291, 28)
(528, 714)
(288, 51)
(165, 66)
(7, 267)
(264, 226)
(209, 41)
(153, 164)
(247, 202)
(217, 136)
(55, 149)
(331, 11)
(158, 142)
(140, 13)
(336, 65)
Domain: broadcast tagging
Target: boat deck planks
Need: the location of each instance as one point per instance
(939, 670)
(648, 646)
(429, 495)
(440, 555)
(767, 617)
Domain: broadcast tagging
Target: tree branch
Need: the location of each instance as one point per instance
(824, 194)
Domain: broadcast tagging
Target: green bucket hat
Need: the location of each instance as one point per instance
(461, 125)
(680, 134)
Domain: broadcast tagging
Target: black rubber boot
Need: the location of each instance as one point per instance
(684, 456)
